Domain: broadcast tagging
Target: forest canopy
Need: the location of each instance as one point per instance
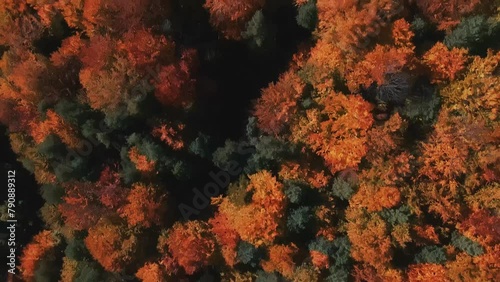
(254, 140)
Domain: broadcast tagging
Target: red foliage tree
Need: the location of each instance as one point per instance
(426, 233)
(170, 135)
(478, 268)
(112, 244)
(370, 241)
(448, 13)
(72, 12)
(364, 272)
(338, 133)
(259, 221)
(81, 208)
(113, 15)
(321, 61)
(319, 259)
(40, 245)
(70, 48)
(85, 202)
(427, 272)
(174, 85)
(141, 162)
(229, 17)
(375, 198)
(152, 272)
(375, 67)
(402, 34)
(445, 64)
(483, 225)
(56, 125)
(146, 206)
(278, 103)
(19, 27)
(445, 154)
(45, 10)
(18, 116)
(145, 49)
(97, 53)
(20, 78)
(350, 24)
(303, 172)
(190, 244)
(281, 260)
(480, 76)
(226, 236)
(105, 90)
(112, 193)
(384, 60)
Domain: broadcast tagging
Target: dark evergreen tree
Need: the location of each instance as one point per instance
(307, 16)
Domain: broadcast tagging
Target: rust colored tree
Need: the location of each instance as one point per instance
(141, 162)
(281, 260)
(445, 64)
(368, 235)
(258, 222)
(338, 133)
(112, 193)
(56, 125)
(427, 272)
(226, 236)
(41, 244)
(190, 244)
(145, 206)
(144, 49)
(112, 244)
(278, 103)
(170, 134)
(447, 14)
(229, 17)
(152, 272)
(81, 208)
(174, 83)
(351, 24)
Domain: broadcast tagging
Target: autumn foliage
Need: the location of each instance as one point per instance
(253, 140)
(229, 17)
(145, 206)
(226, 236)
(55, 124)
(448, 13)
(141, 162)
(253, 223)
(40, 246)
(151, 272)
(426, 272)
(280, 260)
(445, 64)
(278, 103)
(191, 245)
(340, 137)
(112, 245)
(81, 208)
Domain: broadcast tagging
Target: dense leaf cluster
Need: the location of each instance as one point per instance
(371, 156)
